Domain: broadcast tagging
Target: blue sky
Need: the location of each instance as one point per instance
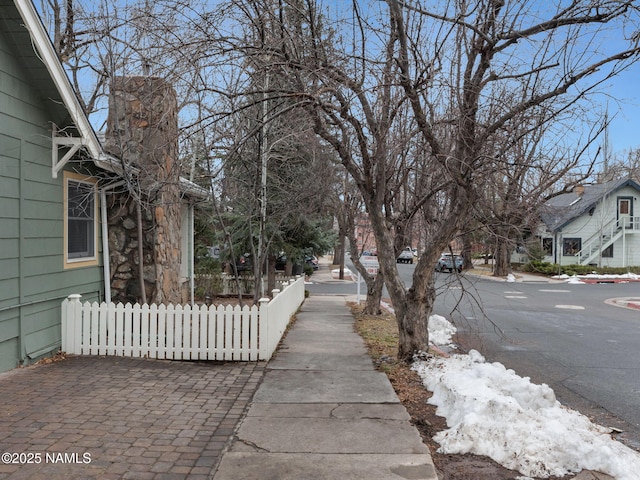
(624, 132)
(624, 104)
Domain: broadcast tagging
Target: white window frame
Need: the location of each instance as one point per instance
(91, 257)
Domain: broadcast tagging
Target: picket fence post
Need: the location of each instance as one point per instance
(263, 316)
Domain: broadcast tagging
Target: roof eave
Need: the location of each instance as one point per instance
(47, 53)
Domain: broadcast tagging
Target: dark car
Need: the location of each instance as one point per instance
(244, 263)
(312, 261)
(449, 262)
(281, 262)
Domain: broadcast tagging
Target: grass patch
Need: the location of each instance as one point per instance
(380, 334)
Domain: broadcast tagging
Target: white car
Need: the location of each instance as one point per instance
(448, 262)
(406, 256)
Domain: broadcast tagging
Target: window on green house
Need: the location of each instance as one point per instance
(80, 220)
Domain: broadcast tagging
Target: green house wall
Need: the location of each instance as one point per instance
(33, 281)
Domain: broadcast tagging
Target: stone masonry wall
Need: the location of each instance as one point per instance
(142, 130)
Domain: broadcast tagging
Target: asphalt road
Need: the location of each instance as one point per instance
(560, 334)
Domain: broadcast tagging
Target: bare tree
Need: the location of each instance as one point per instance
(499, 44)
(451, 63)
(522, 177)
(349, 210)
(410, 97)
(106, 44)
(625, 164)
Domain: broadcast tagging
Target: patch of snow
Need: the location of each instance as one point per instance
(347, 274)
(337, 271)
(624, 276)
(596, 276)
(575, 280)
(511, 278)
(492, 411)
(440, 330)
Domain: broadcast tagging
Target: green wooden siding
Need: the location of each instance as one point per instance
(33, 281)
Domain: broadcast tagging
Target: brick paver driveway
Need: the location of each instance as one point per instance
(115, 417)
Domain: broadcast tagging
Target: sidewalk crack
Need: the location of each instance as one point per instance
(253, 445)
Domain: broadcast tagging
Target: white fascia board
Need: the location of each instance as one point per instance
(190, 188)
(45, 49)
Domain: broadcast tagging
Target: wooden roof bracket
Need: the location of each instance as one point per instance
(57, 141)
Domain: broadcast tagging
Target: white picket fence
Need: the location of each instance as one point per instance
(180, 332)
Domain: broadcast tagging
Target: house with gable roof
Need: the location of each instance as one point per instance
(55, 178)
(595, 225)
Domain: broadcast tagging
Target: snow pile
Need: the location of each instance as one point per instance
(440, 330)
(335, 274)
(336, 271)
(575, 280)
(491, 411)
(596, 276)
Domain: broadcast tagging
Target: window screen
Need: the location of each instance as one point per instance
(80, 220)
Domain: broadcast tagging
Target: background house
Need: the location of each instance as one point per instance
(593, 225)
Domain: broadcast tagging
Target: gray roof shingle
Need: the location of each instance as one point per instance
(562, 209)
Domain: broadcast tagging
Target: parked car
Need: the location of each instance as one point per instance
(281, 263)
(406, 256)
(449, 262)
(313, 261)
(244, 263)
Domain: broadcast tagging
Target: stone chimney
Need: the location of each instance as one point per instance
(142, 131)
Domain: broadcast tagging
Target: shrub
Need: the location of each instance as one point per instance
(546, 268)
(538, 266)
(308, 270)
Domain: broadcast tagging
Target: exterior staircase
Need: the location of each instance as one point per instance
(605, 237)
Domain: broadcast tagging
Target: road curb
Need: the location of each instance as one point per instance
(631, 303)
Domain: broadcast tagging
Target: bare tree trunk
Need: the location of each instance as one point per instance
(374, 295)
(502, 258)
(340, 255)
(374, 283)
(143, 291)
(466, 252)
(413, 323)
(229, 244)
(271, 273)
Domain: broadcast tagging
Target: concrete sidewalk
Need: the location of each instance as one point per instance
(324, 412)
